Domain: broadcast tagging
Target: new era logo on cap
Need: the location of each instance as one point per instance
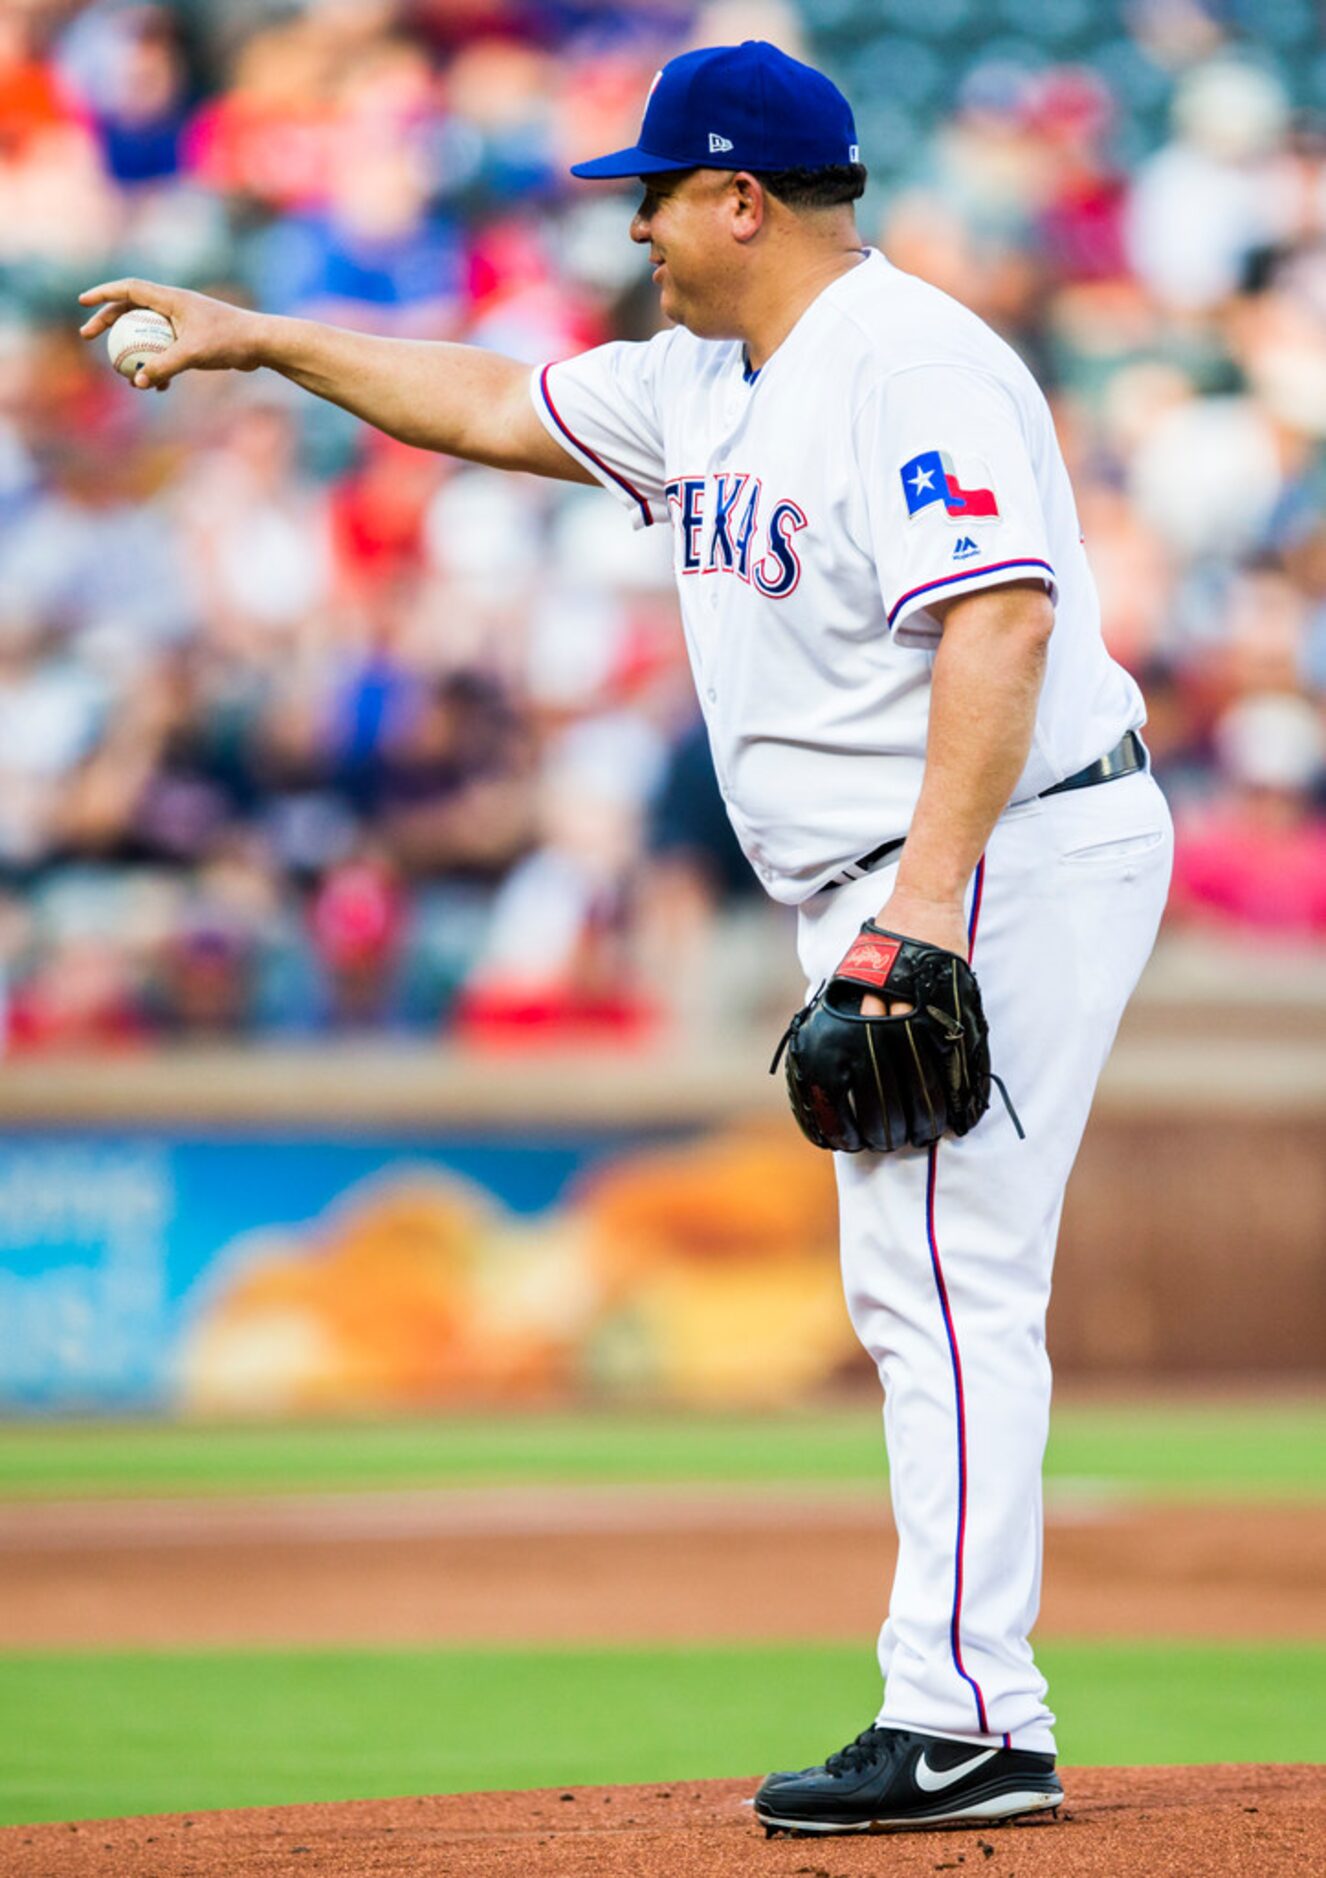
(776, 113)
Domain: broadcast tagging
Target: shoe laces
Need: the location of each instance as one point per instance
(870, 1747)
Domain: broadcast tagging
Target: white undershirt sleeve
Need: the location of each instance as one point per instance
(951, 499)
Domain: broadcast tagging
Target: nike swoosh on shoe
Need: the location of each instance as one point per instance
(934, 1780)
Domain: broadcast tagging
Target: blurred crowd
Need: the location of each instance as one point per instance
(301, 730)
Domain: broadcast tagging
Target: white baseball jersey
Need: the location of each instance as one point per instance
(893, 450)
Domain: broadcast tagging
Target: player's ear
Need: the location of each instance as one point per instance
(748, 205)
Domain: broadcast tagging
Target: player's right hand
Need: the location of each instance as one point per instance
(210, 335)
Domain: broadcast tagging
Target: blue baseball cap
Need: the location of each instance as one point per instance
(746, 107)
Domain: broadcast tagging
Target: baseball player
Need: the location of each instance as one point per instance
(922, 744)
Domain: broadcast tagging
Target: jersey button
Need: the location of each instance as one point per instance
(712, 696)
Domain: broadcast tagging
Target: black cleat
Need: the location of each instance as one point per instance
(892, 1779)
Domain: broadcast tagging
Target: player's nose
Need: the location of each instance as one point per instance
(640, 226)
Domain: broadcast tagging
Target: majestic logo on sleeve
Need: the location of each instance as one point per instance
(721, 530)
(933, 477)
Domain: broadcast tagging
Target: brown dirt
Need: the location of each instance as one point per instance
(640, 1565)
(1200, 1822)
(663, 1565)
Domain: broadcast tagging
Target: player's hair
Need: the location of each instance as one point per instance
(815, 189)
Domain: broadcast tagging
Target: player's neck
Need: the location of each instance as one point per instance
(792, 282)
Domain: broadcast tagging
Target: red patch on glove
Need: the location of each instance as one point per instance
(869, 960)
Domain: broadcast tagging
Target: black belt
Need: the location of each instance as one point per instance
(1127, 756)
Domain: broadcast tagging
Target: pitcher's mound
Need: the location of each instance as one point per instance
(1201, 1822)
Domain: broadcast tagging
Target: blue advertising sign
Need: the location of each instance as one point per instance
(234, 1274)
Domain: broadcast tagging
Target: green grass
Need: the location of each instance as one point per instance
(1241, 1449)
(104, 1735)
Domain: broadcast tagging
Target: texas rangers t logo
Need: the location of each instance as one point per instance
(932, 477)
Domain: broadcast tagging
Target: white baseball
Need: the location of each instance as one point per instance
(137, 336)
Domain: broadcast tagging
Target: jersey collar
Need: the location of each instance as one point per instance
(825, 298)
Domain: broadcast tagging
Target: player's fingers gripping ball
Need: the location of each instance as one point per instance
(879, 1083)
(136, 338)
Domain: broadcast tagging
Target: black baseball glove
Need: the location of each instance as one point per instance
(890, 1082)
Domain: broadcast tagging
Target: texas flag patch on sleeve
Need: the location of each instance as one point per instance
(933, 477)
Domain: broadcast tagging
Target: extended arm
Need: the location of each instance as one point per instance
(457, 399)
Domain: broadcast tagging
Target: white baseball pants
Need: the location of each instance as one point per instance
(947, 1254)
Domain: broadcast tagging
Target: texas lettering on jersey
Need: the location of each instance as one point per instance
(944, 477)
(720, 530)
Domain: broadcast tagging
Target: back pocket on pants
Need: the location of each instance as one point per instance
(1121, 848)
